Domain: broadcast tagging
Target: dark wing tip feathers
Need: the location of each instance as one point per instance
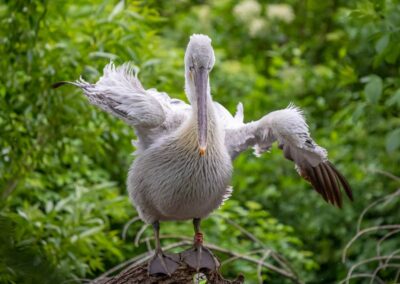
(343, 181)
(327, 181)
(324, 177)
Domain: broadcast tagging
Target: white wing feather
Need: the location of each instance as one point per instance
(289, 128)
(123, 94)
(120, 93)
(227, 120)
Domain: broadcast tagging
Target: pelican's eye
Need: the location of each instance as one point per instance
(191, 68)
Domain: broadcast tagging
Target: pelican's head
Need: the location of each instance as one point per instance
(199, 60)
(199, 53)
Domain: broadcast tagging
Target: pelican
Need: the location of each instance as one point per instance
(184, 153)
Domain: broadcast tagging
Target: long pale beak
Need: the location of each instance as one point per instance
(200, 82)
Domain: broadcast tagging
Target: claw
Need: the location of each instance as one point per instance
(163, 264)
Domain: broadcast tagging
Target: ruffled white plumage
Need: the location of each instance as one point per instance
(155, 115)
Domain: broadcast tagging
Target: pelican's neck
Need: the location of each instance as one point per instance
(189, 131)
(191, 95)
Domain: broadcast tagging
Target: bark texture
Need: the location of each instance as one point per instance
(184, 275)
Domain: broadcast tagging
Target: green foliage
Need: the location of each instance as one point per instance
(63, 163)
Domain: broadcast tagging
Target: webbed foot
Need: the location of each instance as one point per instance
(200, 257)
(163, 264)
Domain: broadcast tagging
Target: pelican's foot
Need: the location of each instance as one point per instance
(200, 257)
(163, 264)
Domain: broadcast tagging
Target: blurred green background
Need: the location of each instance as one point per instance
(63, 163)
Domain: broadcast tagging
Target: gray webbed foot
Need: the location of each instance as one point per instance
(200, 257)
(163, 264)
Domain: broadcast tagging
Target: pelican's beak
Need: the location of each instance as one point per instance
(200, 82)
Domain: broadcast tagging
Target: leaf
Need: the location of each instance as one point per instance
(392, 53)
(91, 231)
(22, 214)
(373, 89)
(359, 111)
(393, 140)
(117, 9)
(382, 43)
(394, 99)
(253, 205)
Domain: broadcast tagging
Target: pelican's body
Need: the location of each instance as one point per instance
(170, 180)
(184, 154)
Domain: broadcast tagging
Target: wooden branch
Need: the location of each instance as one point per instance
(136, 271)
(184, 274)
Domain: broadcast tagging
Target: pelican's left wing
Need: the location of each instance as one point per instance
(289, 128)
(120, 93)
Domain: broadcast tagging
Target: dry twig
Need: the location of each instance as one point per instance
(384, 262)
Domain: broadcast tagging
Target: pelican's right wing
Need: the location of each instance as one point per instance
(289, 128)
(120, 93)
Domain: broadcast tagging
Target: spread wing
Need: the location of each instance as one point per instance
(120, 93)
(289, 128)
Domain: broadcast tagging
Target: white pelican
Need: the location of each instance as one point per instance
(184, 154)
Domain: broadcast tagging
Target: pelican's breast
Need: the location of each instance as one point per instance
(177, 182)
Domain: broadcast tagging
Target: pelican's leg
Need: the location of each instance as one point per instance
(199, 257)
(162, 263)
